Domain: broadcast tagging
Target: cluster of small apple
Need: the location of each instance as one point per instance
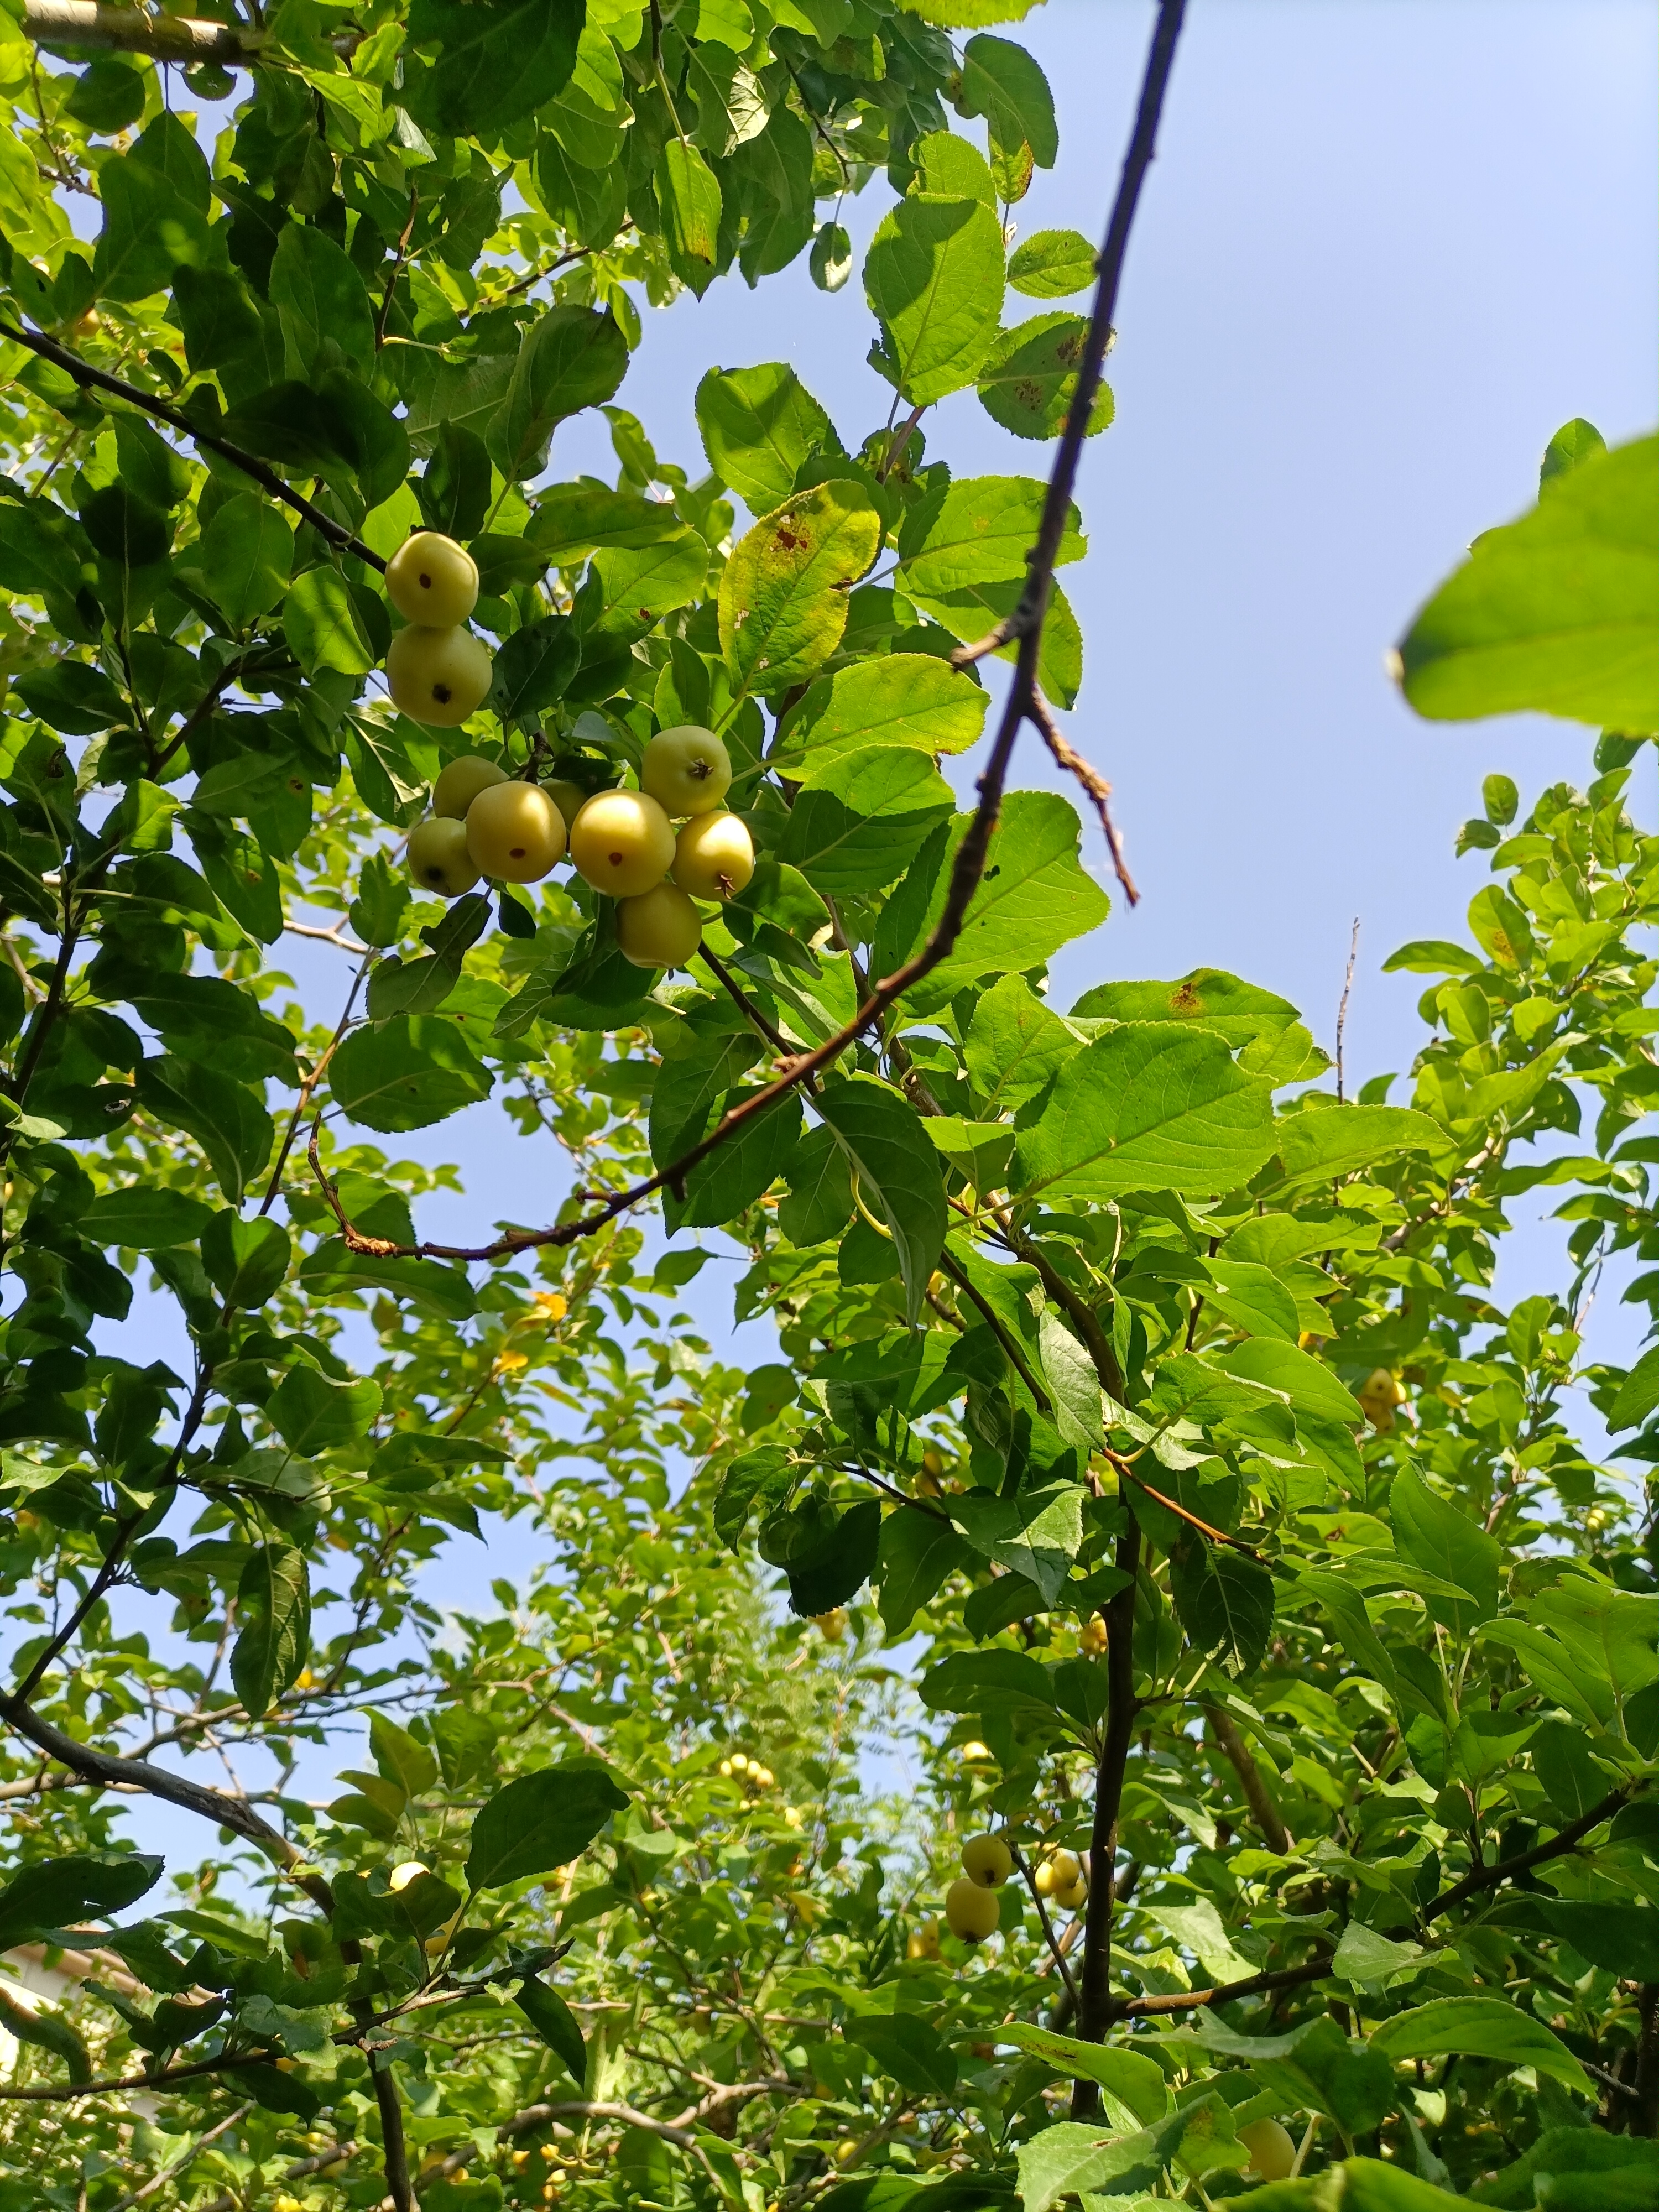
(483, 823)
(971, 1911)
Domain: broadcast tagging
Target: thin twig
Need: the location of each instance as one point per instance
(1049, 1937)
(1067, 757)
(1342, 1011)
(99, 380)
(186, 2157)
(308, 1086)
(397, 268)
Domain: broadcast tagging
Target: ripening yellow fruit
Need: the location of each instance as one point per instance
(459, 783)
(924, 1941)
(1060, 1870)
(974, 1751)
(1092, 1639)
(440, 1939)
(832, 1625)
(432, 580)
(687, 770)
(987, 1861)
(401, 1876)
(438, 676)
(970, 1911)
(514, 833)
(1378, 1394)
(1272, 2153)
(739, 1762)
(438, 858)
(568, 798)
(713, 856)
(622, 843)
(661, 928)
(1074, 1899)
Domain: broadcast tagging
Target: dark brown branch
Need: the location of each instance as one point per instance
(1094, 2009)
(1076, 1307)
(999, 1329)
(1067, 757)
(1503, 1870)
(394, 2150)
(99, 380)
(66, 2092)
(1288, 1978)
(309, 1085)
(1237, 1752)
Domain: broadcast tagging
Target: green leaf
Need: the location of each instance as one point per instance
(1014, 1046)
(907, 2046)
(1208, 997)
(689, 197)
(1575, 441)
(997, 1681)
(783, 591)
(318, 290)
(499, 59)
(1223, 1600)
(740, 1170)
(246, 1261)
(909, 699)
(325, 626)
(244, 558)
(47, 2032)
(920, 1552)
(407, 1074)
(572, 359)
(1080, 2157)
(312, 1414)
(933, 276)
(862, 821)
(1442, 1538)
(1072, 1383)
(146, 1217)
(534, 667)
(149, 229)
(1306, 1383)
(556, 2025)
(1622, 1938)
(1037, 1533)
(1029, 378)
(1336, 1141)
(226, 1118)
(637, 586)
(1558, 613)
(56, 1891)
(1133, 2078)
(948, 167)
(1149, 1106)
(757, 430)
(541, 1822)
(1005, 84)
(897, 1170)
(401, 1757)
(273, 1613)
(570, 521)
(981, 532)
(1052, 264)
(1480, 2027)
(1033, 897)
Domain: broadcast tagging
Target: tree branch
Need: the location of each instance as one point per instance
(99, 380)
(135, 30)
(1490, 1877)
(1288, 1978)
(1238, 1753)
(1066, 757)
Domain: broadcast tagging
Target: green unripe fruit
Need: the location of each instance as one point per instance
(687, 770)
(438, 676)
(514, 833)
(1272, 2153)
(438, 858)
(987, 1861)
(970, 1911)
(622, 843)
(460, 782)
(432, 580)
(713, 856)
(661, 928)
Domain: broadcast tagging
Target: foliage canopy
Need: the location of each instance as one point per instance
(1149, 1468)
